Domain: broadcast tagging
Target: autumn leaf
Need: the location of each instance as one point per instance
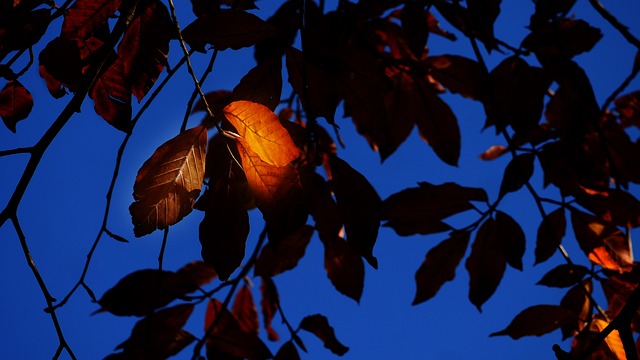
(288, 351)
(400, 104)
(564, 275)
(613, 341)
(273, 261)
(16, 103)
(414, 22)
(160, 335)
(227, 28)
(360, 208)
(344, 267)
(269, 305)
(439, 265)
(84, 17)
(261, 132)
(494, 152)
(577, 301)
(245, 310)
(618, 207)
(550, 234)
(458, 74)
(537, 320)
(511, 238)
(61, 65)
(562, 37)
(517, 173)
(486, 264)
(23, 29)
(262, 84)
(112, 96)
(319, 326)
(229, 337)
(168, 183)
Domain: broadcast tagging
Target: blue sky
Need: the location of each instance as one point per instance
(62, 210)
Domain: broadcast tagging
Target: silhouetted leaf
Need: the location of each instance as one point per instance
(16, 103)
(439, 265)
(414, 22)
(289, 251)
(400, 115)
(628, 106)
(61, 65)
(145, 45)
(84, 17)
(217, 100)
(245, 310)
(344, 267)
(227, 28)
(288, 351)
(564, 275)
(269, 305)
(616, 206)
(562, 37)
(550, 234)
(511, 237)
(168, 183)
(262, 84)
(577, 301)
(360, 208)
(139, 293)
(112, 96)
(192, 276)
(229, 337)
(486, 264)
(434, 27)
(319, 326)
(420, 210)
(23, 29)
(459, 74)
(160, 335)
(517, 173)
(483, 13)
(537, 320)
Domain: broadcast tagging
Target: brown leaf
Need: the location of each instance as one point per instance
(360, 208)
(192, 276)
(145, 46)
(324, 208)
(438, 126)
(344, 267)
(434, 27)
(262, 84)
(227, 28)
(439, 265)
(612, 341)
(537, 320)
(269, 305)
(628, 106)
(112, 96)
(260, 131)
(486, 264)
(563, 37)
(618, 207)
(245, 311)
(160, 335)
(494, 152)
(420, 210)
(319, 326)
(273, 261)
(229, 337)
(16, 103)
(517, 173)
(168, 183)
(225, 227)
(459, 74)
(577, 301)
(84, 17)
(564, 275)
(550, 234)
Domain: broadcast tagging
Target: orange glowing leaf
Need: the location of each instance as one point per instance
(262, 132)
(613, 340)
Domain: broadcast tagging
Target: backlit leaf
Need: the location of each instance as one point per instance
(537, 320)
(564, 275)
(319, 326)
(262, 132)
(269, 305)
(273, 261)
(578, 302)
(344, 267)
(439, 266)
(16, 103)
(517, 173)
(612, 341)
(360, 208)
(84, 17)
(145, 45)
(169, 182)
(486, 264)
(227, 28)
(550, 234)
(229, 337)
(245, 310)
(217, 100)
(494, 152)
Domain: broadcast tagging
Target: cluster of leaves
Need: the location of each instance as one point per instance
(372, 57)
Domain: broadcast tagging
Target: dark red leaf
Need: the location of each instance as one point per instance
(420, 210)
(439, 265)
(324, 208)
(459, 74)
(360, 208)
(414, 23)
(564, 275)
(537, 320)
(616, 206)
(483, 13)
(61, 64)
(227, 28)
(112, 96)
(550, 234)
(225, 227)
(628, 106)
(160, 335)
(563, 37)
(577, 301)
(288, 351)
(319, 326)
(494, 152)
(517, 173)
(16, 103)
(84, 17)
(23, 29)
(145, 45)
(511, 237)
(262, 84)
(192, 276)
(269, 305)
(434, 27)
(344, 267)
(399, 103)
(245, 311)
(273, 261)
(486, 264)
(229, 337)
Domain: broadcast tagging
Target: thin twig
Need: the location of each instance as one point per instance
(622, 29)
(165, 236)
(195, 93)
(25, 150)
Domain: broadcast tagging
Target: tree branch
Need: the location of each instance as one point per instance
(622, 29)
